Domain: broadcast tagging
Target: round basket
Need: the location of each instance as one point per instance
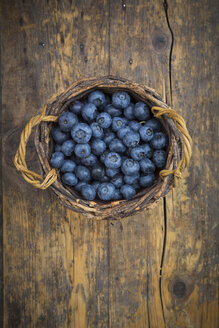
(179, 149)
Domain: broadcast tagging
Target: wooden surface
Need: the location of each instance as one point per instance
(156, 269)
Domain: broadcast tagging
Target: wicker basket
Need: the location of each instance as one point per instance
(179, 149)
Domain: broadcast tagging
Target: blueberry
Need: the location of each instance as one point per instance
(131, 179)
(112, 172)
(146, 133)
(97, 98)
(98, 146)
(58, 147)
(106, 102)
(130, 167)
(68, 166)
(154, 124)
(113, 160)
(159, 158)
(117, 180)
(129, 112)
(76, 107)
(146, 165)
(104, 120)
(89, 112)
(105, 179)
(117, 195)
(147, 180)
(112, 111)
(59, 136)
(108, 137)
(148, 150)
(131, 139)
(83, 173)
(122, 132)
(141, 111)
(106, 191)
(96, 184)
(67, 120)
(79, 185)
(97, 131)
(137, 153)
(98, 172)
(90, 161)
(68, 147)
(159, 140)
(88, 192)
(120, 99)
(103, 156)
(118, 123)
(127, 191)
(134, 125)
(75, 159)
(69, 179)
(57, 159)
(81, 133)
(82, 150)
(117, 146)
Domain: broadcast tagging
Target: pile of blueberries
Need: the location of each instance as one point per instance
(108, 147)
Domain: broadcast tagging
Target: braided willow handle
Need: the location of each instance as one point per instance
(20, 161)
(181, 125)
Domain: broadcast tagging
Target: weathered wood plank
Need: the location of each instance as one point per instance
(55, 262)
(139, 49)
(191, 261)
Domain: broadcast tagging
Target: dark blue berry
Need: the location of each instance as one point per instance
(146, 133)
(129, 112)
(112, 111)
(81, 133)
(97, 131)
(159, 140)
(159, 158)
(106, 102)
(68, 166)
(148, 150)
(88, 192)
(104, 120)
(130, 167)
(67, 120)
(108, 137)
(113, 160)
(134, 125)
(154, 124)
(118, 123)
(76, 107)
(58, 147)
(147, 165)
(59, 136)
(82, 150)
(127, 191)
(106, 190)
(69, 179)
(98, 146)
(68, 147)
(83, 173)
(117, 180)
(57, 159)
(141, 111)
(112, 172)
(79, 185)
(131, 179)
(89, 112)
(137, 153)
(131, 139)
(103, 156)
(90, 161)
(120, 99)
(122, 132)
(97, 98)
(117, 146)
(117, 195)
(98, 172)
(96, 184)
(147, 180)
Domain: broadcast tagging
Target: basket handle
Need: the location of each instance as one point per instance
(187, 147)
(20, 161)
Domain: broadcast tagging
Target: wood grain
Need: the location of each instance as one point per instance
(155, 269)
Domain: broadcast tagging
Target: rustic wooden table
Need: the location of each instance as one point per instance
(156, 269)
